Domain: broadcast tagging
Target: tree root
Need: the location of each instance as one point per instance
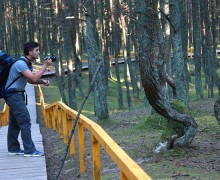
(187, 138)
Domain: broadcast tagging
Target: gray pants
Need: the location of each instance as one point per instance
(20, 121)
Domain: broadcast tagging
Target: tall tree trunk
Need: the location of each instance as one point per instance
(115, 43)
(55, 50)
(215, 40)
(134, 31)
(15, 29)
(189, 24)
(24, 18)
(125, 53)
(66, 29)
(153, 73)
(100, 100)
(218, 19)
(184, 35)
(164, 4)
(105, 54)
(44, 35)
(31, 19)
(76, 44)
(208, 59)
(197, 48)
(126, 50)
(204, 50)
(180, 78)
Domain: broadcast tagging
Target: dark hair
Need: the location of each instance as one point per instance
(29, 46)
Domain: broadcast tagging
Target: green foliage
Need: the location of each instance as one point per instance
(178, 105)
(152, 122)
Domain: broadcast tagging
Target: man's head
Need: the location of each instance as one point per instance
(31, 49)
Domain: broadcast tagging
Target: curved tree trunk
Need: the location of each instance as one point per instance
(153, 72)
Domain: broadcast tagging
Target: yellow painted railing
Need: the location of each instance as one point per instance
(59, 116)
(4, 116)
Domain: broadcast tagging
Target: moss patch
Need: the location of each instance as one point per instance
(152, 122)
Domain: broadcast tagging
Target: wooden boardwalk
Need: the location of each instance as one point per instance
(19, 167)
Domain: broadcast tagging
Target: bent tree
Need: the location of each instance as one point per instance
(152, 70)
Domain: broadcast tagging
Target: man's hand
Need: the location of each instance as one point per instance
(46, 82)
(47, 62)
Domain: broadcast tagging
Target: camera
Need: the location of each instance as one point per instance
(53, 58)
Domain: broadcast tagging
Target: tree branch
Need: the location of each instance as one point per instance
(168, 19)
(171, 82)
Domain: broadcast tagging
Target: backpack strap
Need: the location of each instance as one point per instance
(18, 76)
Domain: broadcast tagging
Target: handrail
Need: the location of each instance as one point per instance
(4, 114)
(55, 117)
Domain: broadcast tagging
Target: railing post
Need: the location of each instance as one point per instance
(53, 118)
(1, 117)
(70, 126)
(4, 117)
(42, 103)
(123, 176)
(56, 117)
(60, 123)
(96, 159)
(46, 118)
(7, 114)
(191, 52)
(49, 121)
(111, 57)
(65, 133)
(44, 114)
(82, 163)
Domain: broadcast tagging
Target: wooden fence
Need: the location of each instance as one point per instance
(59, 117)
(4, 114)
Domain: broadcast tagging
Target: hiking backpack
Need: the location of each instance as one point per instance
(6, 61)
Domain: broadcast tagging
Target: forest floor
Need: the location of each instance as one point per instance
(199, 161)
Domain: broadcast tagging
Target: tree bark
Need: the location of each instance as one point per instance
(126, 49)
(100, 100)
(76, 44)
(217, 110)
(197, 48)
(207, 47)
(115, 43)
(66, 29)
(105, 42)
(153, 71)
(178, 56)
(215, 40)
(55, 50)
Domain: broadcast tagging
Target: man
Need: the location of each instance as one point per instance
(19, 116)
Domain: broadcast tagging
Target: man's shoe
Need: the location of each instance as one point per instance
(34, 154)
(20, 152)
